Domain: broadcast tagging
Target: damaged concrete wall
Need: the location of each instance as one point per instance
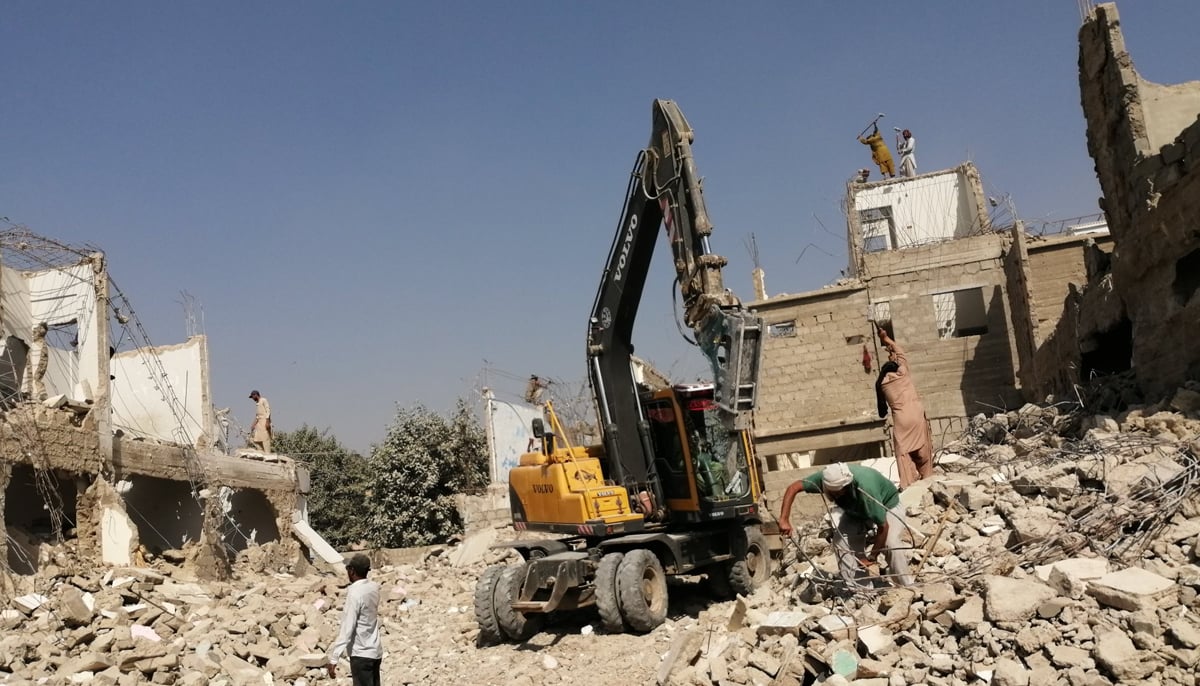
(141, 410)
(57, 315)
(814, 390)
(1145, 141)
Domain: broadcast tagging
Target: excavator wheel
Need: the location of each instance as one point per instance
(607, 601)
(752, 570)
(485, 610)
(515, 625)
(642, 588)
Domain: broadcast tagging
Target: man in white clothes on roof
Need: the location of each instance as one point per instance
(906, 145)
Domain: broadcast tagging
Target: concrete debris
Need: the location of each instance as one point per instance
(1090, 575)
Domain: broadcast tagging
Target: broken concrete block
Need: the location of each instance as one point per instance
(783, 622)
(737, 616)
(1118, 656)
(970, 615)
(1033, 523)
(1154, 469)
(28, 603)
(1069, 577)
(473, 548)
(975, 498)
(1013, 600)
(876, 640)
(87, 662)
(314, 660)
(1066, 657)
(836, 627)
(685, 648)
(1007, 672)
(764, 662)
(10, 619)
(145, 633)
(1133, 588)
(1185, 633)
(75, 607)
(1051, 608)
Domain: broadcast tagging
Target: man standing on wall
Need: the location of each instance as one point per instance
(906, 145)
(359, 633)
(260, 430)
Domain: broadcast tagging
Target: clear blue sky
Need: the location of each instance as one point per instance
(370, 199)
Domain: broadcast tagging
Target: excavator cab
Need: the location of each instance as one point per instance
(706, 470)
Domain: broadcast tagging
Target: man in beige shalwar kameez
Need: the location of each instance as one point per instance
(260, 430)
(911, 437)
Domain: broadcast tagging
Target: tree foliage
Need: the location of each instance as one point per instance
(338, 495)
(418, 467)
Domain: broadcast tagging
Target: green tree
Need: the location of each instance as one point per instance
(338, 495)
(422, 462)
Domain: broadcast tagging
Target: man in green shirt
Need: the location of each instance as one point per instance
(867, 499)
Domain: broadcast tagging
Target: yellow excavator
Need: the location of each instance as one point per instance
(673, 488)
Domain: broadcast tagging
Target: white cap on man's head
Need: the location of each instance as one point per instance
(836, 476)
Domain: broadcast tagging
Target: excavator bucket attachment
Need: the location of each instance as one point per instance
(733, 344)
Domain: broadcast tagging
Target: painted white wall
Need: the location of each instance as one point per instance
(57, 297)
(139, 406)
(510, 431)
(925, 209)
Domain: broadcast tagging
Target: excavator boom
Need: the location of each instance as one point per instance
(665, 190)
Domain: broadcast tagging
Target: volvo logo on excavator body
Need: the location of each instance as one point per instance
(620, 270)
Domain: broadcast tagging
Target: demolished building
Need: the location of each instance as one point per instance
(970, 300)
(1142, 315)
(112, 442)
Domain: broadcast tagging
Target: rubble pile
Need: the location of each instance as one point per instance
(1052, 548)
(1056, 548)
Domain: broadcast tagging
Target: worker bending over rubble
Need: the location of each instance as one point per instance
(867, 499)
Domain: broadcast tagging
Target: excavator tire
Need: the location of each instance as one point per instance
(754, 568)
(517, 626)
(642, 588)
(485, 610)
(607, 601)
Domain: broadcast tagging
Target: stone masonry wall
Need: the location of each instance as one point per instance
(1151, 197)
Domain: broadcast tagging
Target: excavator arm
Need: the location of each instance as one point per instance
(664, 189)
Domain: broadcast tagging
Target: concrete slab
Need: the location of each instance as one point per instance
(783, 622)
(1134, 588)
(313, 540)
(1069, 577)
(473, 548)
